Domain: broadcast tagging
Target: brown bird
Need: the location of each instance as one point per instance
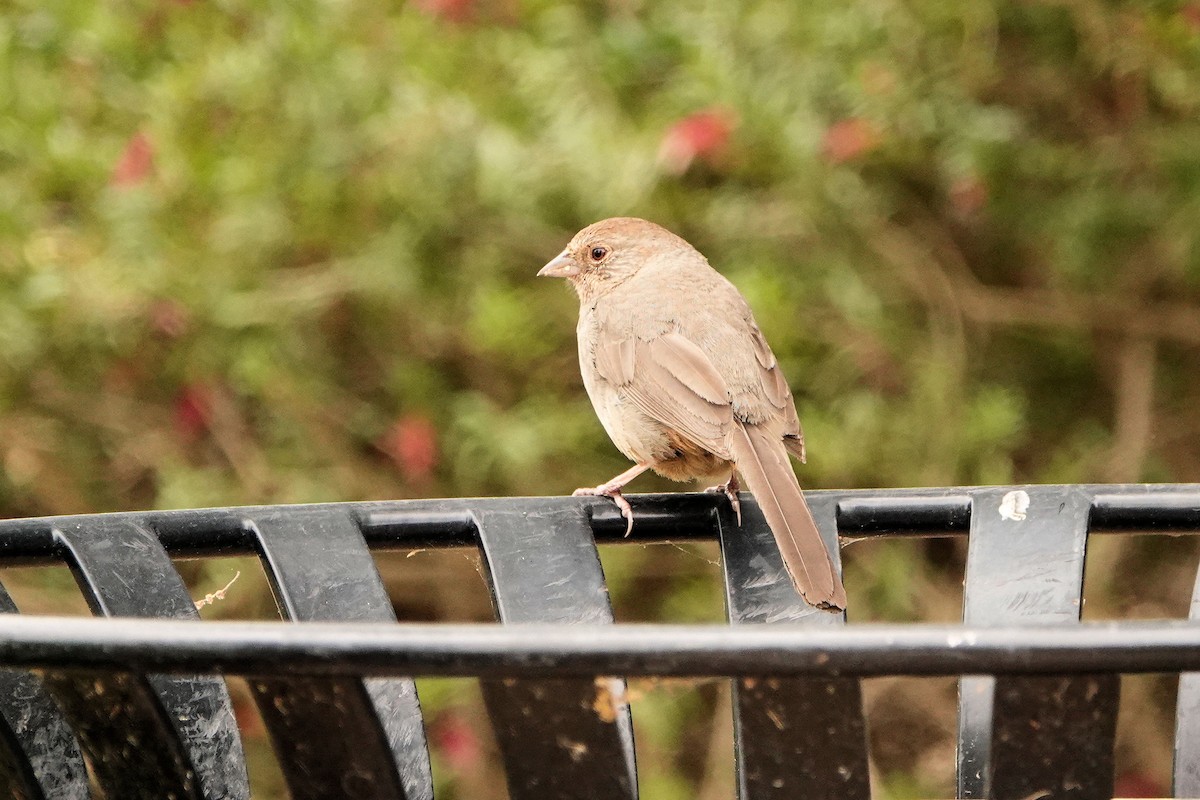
(685, 384)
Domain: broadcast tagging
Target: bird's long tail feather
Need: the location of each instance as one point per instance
(763, 463)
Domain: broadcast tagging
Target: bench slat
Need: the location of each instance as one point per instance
(559, 738)
(124, 571)
(40, 757)
(361, 738)
(1186, 774)
(793, 737)
(1049, 736)
(128, 736)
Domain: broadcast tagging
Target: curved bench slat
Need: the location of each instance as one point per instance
(559, 738)
(124, 571)
(794, 738)
(361, 738)
(1054, 735)
(40, 757)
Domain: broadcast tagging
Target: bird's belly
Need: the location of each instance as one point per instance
(645, 440)
(635, 434)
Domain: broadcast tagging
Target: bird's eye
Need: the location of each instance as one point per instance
(598, 253)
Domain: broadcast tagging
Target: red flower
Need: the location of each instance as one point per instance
(848, 139)
(1191, 16)
(703, 135)
(136, 162)
(412, 445)
(193, 410)
(459, 12)
(457, 741)
(169, 318)
(1138, 784)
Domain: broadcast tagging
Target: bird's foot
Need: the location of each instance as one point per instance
(730, 490)
(612, 491)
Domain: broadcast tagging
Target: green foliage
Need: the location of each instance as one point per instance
(338, 210)
(278, 254)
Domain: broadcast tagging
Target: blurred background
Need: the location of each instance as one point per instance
(285, 253)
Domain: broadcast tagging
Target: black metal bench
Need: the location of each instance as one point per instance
(142, 701)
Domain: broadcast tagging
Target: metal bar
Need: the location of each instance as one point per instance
(913, 512)
(410, 524)
(314, 649)
(1177, 510)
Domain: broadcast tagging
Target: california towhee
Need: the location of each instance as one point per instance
(685, 384)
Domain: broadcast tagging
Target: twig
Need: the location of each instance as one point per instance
(1043, 308)
(1135, 409)
(219, 594)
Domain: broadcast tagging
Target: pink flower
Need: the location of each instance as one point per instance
(457, 741)
(702, 135)
(847, 139)
(136, 162)
(169, 318)
(459, 12)
(193, 410)
(412, 444)
(1191, 16)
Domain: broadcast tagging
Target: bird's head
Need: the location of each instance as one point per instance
(605, 254)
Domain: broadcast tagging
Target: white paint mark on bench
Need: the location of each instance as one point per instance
(1014, 505)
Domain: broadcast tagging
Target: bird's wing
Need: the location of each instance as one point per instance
(671, 380)
(776, 391)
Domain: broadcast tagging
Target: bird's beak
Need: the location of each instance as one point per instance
(563, 266)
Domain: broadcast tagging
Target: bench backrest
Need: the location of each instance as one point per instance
(151, 735)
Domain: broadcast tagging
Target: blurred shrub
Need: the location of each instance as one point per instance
(279, 254)
(241, 246)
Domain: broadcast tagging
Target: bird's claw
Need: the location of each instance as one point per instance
(730, 490)
(614, 494)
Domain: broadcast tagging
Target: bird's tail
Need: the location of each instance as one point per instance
(763, 462)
